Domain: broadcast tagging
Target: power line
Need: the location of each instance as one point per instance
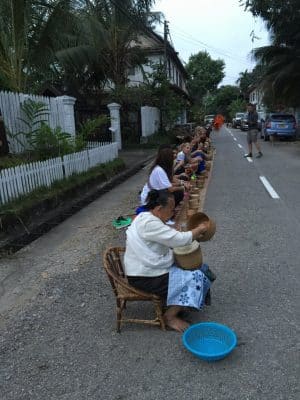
(195, 41)
(227, 53)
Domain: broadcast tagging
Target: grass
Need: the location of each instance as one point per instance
(24, 204)
(10, 161)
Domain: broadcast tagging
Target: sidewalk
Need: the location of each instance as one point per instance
(71, 242)
(43, 222)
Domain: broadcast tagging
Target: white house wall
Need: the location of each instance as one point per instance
(174, 74)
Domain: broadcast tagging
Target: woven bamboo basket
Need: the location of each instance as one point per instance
(189, 257)
(190, 212)
(197, 218)
(208, 165)
(200, 184)
(194, 204)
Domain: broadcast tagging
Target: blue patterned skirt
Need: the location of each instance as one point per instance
(188, 288)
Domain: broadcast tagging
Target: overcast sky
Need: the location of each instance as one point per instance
(221, 27)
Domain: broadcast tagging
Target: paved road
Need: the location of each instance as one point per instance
(63, 345)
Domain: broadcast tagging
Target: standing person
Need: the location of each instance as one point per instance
(252, 120)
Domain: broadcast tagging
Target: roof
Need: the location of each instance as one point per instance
(158, 47)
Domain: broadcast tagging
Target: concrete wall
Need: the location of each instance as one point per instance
(150, 118)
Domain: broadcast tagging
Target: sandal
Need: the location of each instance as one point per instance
(121, 222)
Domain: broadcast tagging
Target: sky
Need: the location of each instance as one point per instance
(221, 27)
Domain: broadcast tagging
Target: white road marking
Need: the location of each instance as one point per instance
(269, 188)
(249, 159)
(240, 146)
(235, 139)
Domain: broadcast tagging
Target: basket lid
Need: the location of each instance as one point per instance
(187, 249)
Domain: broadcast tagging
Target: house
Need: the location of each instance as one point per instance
(156, 51)
(256, 97)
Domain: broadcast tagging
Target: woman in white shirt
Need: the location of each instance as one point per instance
(149, 255)
(161, 176)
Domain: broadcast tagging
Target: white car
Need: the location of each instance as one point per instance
(236, 121)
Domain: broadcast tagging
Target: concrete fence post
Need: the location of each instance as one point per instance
(114, 109)
(66, 113)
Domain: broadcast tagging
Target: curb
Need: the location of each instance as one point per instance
(14, 243)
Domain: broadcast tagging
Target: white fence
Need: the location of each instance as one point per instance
(21, 180)
(60, 113)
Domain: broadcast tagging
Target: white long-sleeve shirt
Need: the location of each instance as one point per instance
(149, 246)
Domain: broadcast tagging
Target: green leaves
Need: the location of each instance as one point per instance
(281, 78)
(204, 75)
(43, 141)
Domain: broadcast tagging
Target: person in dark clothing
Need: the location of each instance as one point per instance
(252, 133)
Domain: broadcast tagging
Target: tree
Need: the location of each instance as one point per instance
(238, 105)
(104, 49)
(204, 75)
(281, 79)
(282, 17)
(249, 78)
(244, 81)
(30, 33)
(223, 99)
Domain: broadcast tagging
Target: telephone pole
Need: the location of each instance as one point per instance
(166, 32)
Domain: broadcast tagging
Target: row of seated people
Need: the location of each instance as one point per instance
(173, 167)
(149, 260)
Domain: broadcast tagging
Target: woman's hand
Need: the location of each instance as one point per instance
(187, 185)
(199, 230)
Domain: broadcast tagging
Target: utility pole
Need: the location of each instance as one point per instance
(166, 32)
(165, 73)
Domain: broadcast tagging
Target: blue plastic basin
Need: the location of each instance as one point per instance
(209, 341)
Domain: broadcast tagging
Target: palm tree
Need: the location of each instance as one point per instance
(29, 38)
(108, 42)
(281, 80)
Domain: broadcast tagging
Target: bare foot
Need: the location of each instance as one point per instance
(177, 324)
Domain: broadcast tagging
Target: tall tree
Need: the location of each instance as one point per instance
(281, 79)
(107, 43)
(223, 98)
(249, 78)
(30, 32)
(204, 75)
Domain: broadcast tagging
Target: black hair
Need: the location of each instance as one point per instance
(165, 146)
(164, 159)
(187, 139)
(158, 198)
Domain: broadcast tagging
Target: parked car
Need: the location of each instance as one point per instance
(261, 120)
(236, 121)
(280, 125)
(244, 122)
(209, 119)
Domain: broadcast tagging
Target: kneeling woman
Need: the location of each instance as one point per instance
(149, 255)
